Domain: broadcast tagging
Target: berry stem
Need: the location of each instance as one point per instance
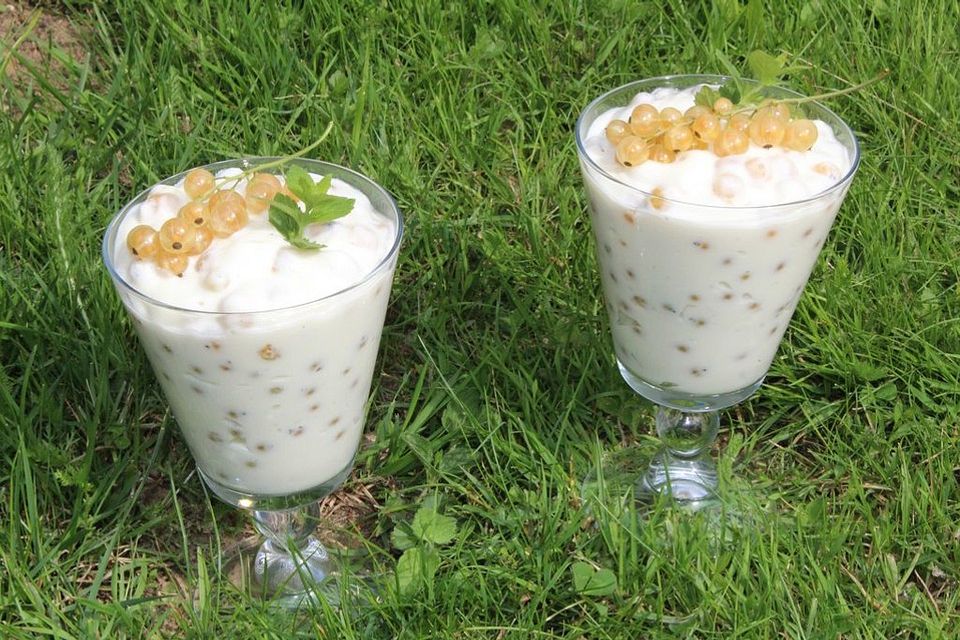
(838, 92)
(279, 162)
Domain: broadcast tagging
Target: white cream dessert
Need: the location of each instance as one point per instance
(266, 370)
(704, 258)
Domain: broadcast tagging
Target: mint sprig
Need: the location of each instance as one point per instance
(318, 207)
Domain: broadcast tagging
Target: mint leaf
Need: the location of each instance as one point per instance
(432, 527)
(284, 214)
(320, 207)
(300, 182)
(305, 243)
(326, 208)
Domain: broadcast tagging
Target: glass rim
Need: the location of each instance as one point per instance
(708, 78)
(106, 245)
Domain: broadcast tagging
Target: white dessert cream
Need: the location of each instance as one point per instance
(701, 281)
(265, 352)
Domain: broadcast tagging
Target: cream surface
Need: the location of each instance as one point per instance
(701, 287)
(256, 269)
(266, 371)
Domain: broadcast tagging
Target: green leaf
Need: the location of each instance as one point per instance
(433, 527)
(867, 371)
(727, 65)
(409, 570)
(402, 537)
(887, 391)
(731, 91)
(283, 216)
(287, 217)
(325, 208)
(303, 243)
(415, 568)
(301, 184)
(765, 68)
(430, 562)
(591, 581)
(706, 96)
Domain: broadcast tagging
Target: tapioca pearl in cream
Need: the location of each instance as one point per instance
(163, 202)
(728, 185)
(216, 280)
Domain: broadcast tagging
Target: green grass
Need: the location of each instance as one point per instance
(498, 383)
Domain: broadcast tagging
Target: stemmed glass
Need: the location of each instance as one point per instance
(271, 401)
(698, 296)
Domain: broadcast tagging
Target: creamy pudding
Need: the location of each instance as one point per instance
(265, 351)
(704, 258)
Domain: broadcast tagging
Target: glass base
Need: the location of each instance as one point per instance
(289, 567)
(690, 482)
(681, 468)
(265, 569)
(641, 474)
(286, 564)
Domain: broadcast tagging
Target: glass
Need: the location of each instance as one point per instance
(698, 296)
(272, 402)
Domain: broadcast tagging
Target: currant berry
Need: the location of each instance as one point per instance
(678, 138)
(172, 262)
(696, 111)
(766, 130)
(659, 153)
(644, 120)
(261, 190)
(780, 111)
(699, 145)
(706, 127)
(175, 236)
(198, 183)
(722, 106)
(616, 131)
(731, 142)
(202, 238)
(632, 150)
(800, 135)
(758, 169)
(270, 179)
(739, 121)
(228, 213)
(195, 213)
(670, 116)
(142, 242)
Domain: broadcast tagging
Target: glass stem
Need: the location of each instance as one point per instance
(288, 529)
(687, 435)
(683, 469)
(290, 563)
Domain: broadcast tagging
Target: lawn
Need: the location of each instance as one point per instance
(496, 389)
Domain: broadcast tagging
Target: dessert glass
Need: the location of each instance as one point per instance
(698, 296)
(271, 402)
